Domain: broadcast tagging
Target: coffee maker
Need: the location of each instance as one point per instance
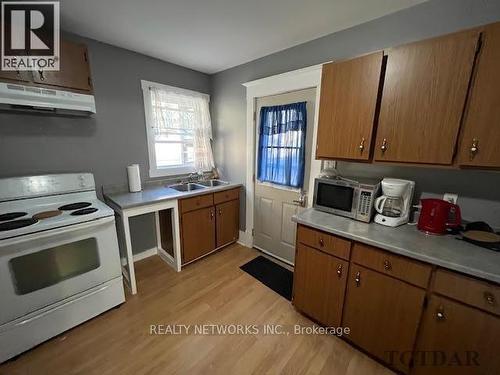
(394, 205)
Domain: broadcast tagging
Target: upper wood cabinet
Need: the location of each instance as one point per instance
(349, 91)
(74, 70)
(423, 98)
(465, 340)
(480, 138)
(383, 314)
(319, 285)
(13, 76)
(73, 74)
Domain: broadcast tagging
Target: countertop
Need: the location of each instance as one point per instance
(446, 251)
(155, 193)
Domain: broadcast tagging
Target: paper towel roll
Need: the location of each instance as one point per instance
(134, 178)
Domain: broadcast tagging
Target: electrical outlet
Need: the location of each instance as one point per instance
(450, 197)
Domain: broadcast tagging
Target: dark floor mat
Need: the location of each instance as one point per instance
(271, 274)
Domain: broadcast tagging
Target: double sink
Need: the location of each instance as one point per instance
(197, 185)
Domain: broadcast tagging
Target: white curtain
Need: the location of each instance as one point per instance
(178, 111)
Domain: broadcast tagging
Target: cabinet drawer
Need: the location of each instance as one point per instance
(194, 203)
(325, 242)
(409, 270)
(474, 292)
(226, 195)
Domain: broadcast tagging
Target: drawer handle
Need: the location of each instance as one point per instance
(339, 271)
(40, 72)
(387, 265)
(440, 314)
(321, 242)
(490, 298)
(358, 278)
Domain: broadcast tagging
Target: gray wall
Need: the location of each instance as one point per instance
(429, 19)
(104, 144)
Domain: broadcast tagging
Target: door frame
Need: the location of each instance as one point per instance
(309, 77)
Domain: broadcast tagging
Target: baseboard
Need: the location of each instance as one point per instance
(145, 254)
(245, 238)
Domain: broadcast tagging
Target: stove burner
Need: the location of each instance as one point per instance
(85, 211)
(74, 206)
(12, 216)
(46, 214)
(16, 224)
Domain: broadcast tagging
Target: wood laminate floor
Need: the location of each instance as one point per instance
(211, 291)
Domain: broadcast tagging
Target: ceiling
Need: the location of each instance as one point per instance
(213, 35)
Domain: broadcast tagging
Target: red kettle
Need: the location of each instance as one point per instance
(435, 216)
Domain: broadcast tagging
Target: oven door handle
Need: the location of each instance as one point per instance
(58, 231)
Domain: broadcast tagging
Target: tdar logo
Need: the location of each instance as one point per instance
(30, 35)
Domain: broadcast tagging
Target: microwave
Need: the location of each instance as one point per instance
(351, 197)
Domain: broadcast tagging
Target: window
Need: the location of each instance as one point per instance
(179, 130)
(282, 135)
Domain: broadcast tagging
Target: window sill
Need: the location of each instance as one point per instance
(168, 172)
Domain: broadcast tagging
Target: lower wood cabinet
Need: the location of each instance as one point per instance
(414, 317)
(228, 215)
(457, 339)
(198, 233)
(382, 313)
(319, 285)
(207, 222)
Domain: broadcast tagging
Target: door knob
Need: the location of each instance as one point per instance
(384, 146)
(302, 200)
(474, 149)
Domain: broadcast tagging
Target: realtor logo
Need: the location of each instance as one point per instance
(30, 35)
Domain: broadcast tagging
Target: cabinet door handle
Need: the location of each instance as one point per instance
(321, 242)
(384, 146)
(490, 298)
(358, 278)
(211, 214)
(42, 78)
(339, 271)
(440, 316)
(220, 211)
(474, 149)
(362, 145)
(387, 265)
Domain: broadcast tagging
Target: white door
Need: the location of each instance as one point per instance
(274, 205)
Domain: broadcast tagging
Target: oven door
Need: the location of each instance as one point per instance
(40, 269)
(336, 197)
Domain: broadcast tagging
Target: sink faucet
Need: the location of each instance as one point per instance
(192, 177)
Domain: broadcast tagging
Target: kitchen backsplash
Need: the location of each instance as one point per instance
(478, 192)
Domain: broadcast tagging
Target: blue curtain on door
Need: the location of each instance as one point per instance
(282, 136)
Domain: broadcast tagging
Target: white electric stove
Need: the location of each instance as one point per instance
(59, 258)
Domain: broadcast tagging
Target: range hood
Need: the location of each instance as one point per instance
(30, 98)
